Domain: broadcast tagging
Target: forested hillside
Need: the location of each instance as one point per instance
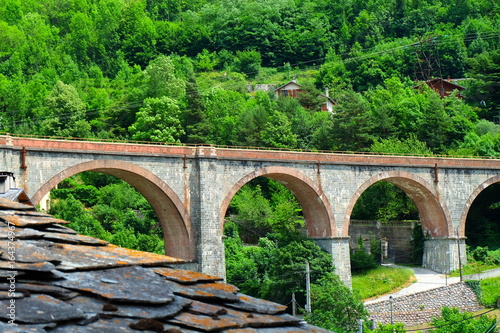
(177, 71)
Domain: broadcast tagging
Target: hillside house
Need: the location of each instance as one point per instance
(293, 89)
(290, 89)
(329, 102)
(9, 191)
(444, 87)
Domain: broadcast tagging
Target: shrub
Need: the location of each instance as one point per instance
(479, 253)
(453, 321)
(362, 261)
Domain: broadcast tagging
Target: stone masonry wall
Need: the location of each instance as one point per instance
(398, 234)
(420, 308)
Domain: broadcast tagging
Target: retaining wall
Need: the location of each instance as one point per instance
(420, 308)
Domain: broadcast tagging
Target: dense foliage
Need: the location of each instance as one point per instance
(450, 321)
(483, 221)
(165, 71)
(335, 307)
(490, 292)
(454, 321)
(266, 251)
(105, 207)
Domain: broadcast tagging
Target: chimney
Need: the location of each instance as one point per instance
(327, 92)
(7, 181)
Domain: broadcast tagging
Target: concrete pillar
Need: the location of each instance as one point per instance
(442, 254)
(367, 245)
(338, 247)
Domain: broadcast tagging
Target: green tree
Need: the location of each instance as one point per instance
(159, 120)
(138, 34)
(352, 123)
(389, 328)
(11, 39)
(195, 121)
(334, 306)
(409, 146)
(65, 113)
(206, 60)
(161, 79)
(223, 109)
(82, 39)
(485, 68)
(73, 211)
(453, 321)
(248, 62)
(278, 132)
(252, 211)
(385, 202)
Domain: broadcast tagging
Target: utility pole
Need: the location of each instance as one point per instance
(360, 325)
(294, 305)
(459, 256)
(308, 289)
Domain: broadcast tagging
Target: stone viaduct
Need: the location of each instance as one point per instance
(190, 188)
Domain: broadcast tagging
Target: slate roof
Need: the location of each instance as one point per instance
(54, 280)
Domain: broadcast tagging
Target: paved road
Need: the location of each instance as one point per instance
(426, 279)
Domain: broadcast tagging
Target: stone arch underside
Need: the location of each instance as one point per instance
(180, 241)
(315, 207)
(434, 215)
(470, 201)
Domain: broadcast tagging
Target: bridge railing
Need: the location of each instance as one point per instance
(194, 145)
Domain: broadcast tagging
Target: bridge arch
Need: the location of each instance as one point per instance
(470, 200)
(180, 241)
(315, 206)
(433, 211)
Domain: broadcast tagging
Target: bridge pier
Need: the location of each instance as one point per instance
(444, 254)
(338, 247)
(205, 212)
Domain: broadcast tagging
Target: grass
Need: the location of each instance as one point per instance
(490, 290)
(381, 280)
(473, 267)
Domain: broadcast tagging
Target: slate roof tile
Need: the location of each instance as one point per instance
(101, 307)
(199, 293)
(252, 304)
(42, 309)
(27, 220)
(90, 286)
(25, 233)
(133, 284)
(73, 239)
(185, 277)
(6, 204)
(20, 328)
(83, 257)
(57, 292)
(43, 266)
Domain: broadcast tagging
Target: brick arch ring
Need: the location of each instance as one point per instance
(434, 214)
(315, 207)
(178, 233)
(470, 200)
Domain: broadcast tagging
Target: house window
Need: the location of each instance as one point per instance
(284, 93)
